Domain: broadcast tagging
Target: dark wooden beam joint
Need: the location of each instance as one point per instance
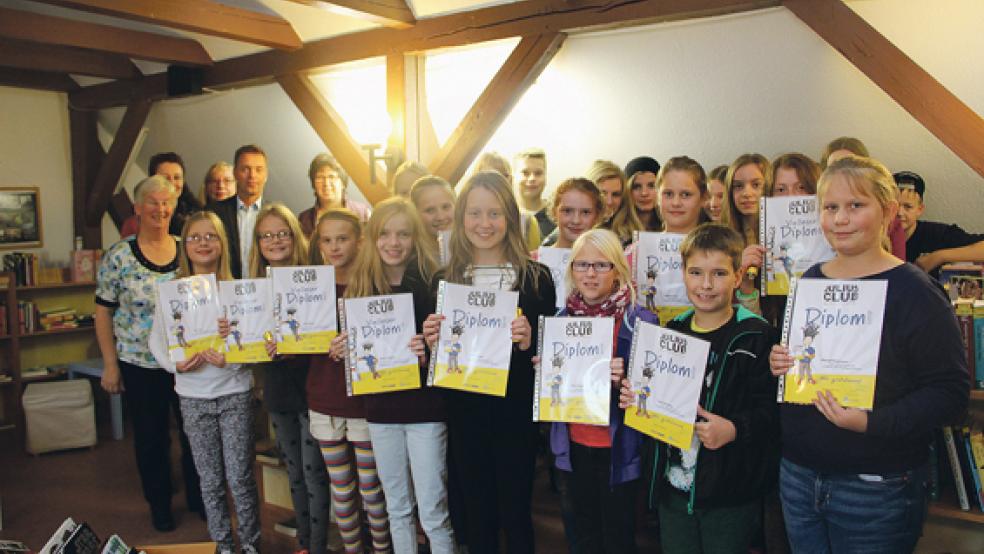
(114, 164)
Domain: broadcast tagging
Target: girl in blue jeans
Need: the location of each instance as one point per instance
(851, 479)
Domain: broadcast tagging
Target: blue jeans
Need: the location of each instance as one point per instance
(852, 513)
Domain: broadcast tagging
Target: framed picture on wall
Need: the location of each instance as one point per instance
(20, 218)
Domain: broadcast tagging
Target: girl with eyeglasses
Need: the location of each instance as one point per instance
(493, 439)
(279, 242)
(604, 463)
(215, 400)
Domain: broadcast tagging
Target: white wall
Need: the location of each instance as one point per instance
(35, 152)
(710, 88)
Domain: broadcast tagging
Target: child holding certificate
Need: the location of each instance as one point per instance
(494, 438)
(710, 495)
(279, 242)
(216, 401)
(850, 476)
(603, 508)
(408, 429)
(339, 420)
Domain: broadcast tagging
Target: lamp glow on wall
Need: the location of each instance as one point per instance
(357, 92)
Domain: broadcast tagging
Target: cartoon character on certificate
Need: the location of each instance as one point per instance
(370, 359)
(557, 381)
(644, 391)
(179, 330)
(649, 291)
(785, 259)
(236, 335)
(293, 324)
(806, 355)
(454, 348)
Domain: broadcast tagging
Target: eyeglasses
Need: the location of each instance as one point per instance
(599, 267)
(207, 237)
(279, 235)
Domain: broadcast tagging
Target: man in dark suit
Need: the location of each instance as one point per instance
(238, 213)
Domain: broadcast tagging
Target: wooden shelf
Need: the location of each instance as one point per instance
(60, 372)
(51, 286)
(947, 508)
(68, 330)
(977, 394)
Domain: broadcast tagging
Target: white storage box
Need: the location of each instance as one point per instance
(60, 415)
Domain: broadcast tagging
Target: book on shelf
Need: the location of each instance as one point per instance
(84, 264)
(964, 309)
(949, 441)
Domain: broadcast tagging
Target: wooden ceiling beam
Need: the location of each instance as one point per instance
(59, 59)
(87, 156)
(59, 31)
(334, 133)
(396, 100)
(520, 69)
(199, 16)
(919, 93)
(389, 13)
(528, 17)
(39, 80)
(111, 169)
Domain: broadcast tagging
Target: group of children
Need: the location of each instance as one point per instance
(464, 463)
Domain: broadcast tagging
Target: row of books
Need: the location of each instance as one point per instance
(960, 464)
(30, 319)
(970, 317)
(26, 268)
(79, 538)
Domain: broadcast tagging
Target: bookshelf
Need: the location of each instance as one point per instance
(947, 506)
(40, 348)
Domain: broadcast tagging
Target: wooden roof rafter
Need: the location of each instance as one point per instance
(38, 80)
(200, 16)
(919, 93)
(61, 59)
(389, 13)
(59, 31)
(524, 18)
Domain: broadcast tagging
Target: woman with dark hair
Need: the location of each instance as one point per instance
(328, 181)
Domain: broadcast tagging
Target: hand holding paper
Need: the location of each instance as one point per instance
(618, 370)
(780, 360)
(432, 328)
(522, 333)
(851, 419)
(625, 395)
(715, 431)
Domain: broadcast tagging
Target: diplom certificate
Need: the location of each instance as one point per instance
(190, 307)
(248, 306)
(304, 308)
(666, 370)
(789, 228)
(658, 272)
(556, 260)
(833, 331)
(573, 380)
(379, 358)
(475, 342)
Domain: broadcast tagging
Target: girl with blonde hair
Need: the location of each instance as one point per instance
(620, 213)
(746, 182)
(216, 400)
(851, 476)
(494, 439)
(408, 428)
(603, 507)
(279, 242)
(338, 421)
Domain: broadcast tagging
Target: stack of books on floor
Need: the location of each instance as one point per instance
(958, 465)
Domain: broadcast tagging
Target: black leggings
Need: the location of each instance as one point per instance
(150, 398)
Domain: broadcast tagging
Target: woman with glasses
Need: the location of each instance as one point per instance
(328, 181)
(278, 242)
(216, 400)
(603, 462)
(125, 303)
(219, 184)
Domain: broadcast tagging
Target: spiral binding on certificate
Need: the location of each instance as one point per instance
(786, 323)
(439, 309)
(635, 256)
(763, 282)
(632, 354)
(538, 375)
(349, 350)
